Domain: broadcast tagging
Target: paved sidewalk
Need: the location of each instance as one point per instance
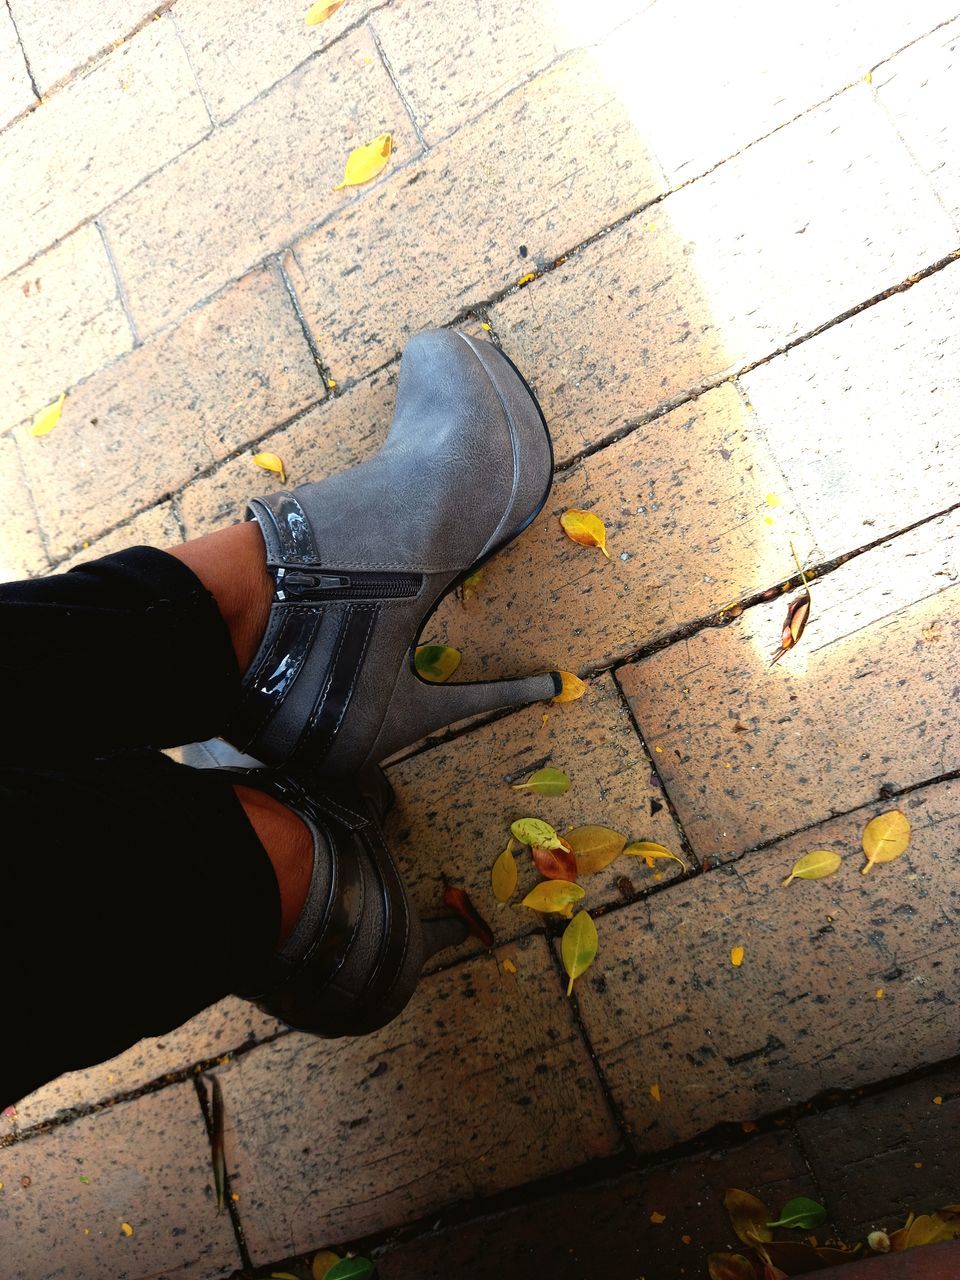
(723, 244)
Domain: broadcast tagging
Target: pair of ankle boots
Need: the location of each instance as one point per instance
(360, 561)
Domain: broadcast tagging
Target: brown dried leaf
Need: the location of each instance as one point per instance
(457, 900)
(730, 1266)
(798, 613)
(555, 864)
(748, 1216)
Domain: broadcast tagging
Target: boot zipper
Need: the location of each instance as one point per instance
(295, 584)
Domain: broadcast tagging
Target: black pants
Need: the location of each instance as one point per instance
(134, 891)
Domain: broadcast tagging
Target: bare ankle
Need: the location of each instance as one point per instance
(289, 847)
(232, 565)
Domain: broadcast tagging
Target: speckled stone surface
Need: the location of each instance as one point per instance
(728, 269)
(868, 698)
(883, 1157)
(21, 546)
(606, 1230)
(482, 1083)
(237, 185)
(194, 394)
(228, 1025)
(337, 433)
(68, 1193)
(704, 87)
(82, 30)
(918, 89)
(455, 805)
(447, 232)
(154, 528)
(843, 436)
(664, 1004)
(16, 91)
(236, 61)
(498, 46)
(60, 320)
(147, 86)
(684, 500)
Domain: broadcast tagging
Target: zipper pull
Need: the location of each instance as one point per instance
(295, 583)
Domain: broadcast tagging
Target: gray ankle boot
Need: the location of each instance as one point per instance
(362, 558)
(355, 954)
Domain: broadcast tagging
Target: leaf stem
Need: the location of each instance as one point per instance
(803, 576)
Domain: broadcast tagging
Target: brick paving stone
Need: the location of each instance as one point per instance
(887, 1156)
(150, 422)
(442, 236)
(454, 804)
(663, 1003)
(866, 700)
(606, 1230)
(147, 1163)
(21, 546)
(684, 501)
(60, 320)
(726, 270)
(16, 91)
(842, 434)
(82, 30)
(498, 46)
(483, 1083)
(700, 100)
(919, 89)
(154, 528)
(236, 61)
(338, 433)
(225, 1026)
(48, 185)
(255, 184)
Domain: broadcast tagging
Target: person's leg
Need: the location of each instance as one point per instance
(141, 648)
(136, 892)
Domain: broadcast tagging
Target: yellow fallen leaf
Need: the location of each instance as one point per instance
(503, 876)
(126, 1228)
(532, 275)
(657, 1217)
(773, 500)
(655, 1092)
(320, 12)
(748, 1126)
(572, 687)
(885, 837)
(48, 418)
(815, 865)
(436, 662)
(324, 1260)
(878, 994)
(509, 966)
(594, 847)
(686, 1239)
(585, 528)
(736, 957)
(578, 947)
(271, 462)
(364, 163)
(553, 895)
(649, 849)
(937, 1101)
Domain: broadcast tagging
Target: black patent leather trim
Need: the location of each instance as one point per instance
(343, 918)
(396, 928)
(338, 687)
(291, 632)
(294, 537)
